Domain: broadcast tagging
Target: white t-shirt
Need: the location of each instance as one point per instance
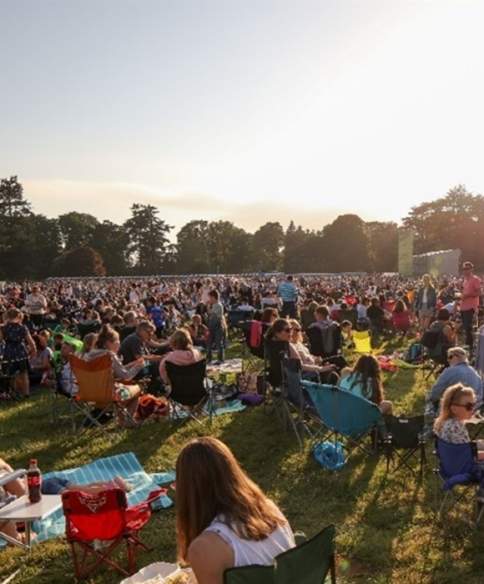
(36, 303)
(248, 552)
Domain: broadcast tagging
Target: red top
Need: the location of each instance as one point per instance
(471, 291)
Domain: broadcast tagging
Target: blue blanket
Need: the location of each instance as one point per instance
(126, 466)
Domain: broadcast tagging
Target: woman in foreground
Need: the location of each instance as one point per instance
(224, 520)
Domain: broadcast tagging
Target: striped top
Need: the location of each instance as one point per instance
(287, 291)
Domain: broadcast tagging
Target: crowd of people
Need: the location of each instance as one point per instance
(143, 324)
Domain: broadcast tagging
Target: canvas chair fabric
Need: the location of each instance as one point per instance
(307, 563)
(362, 342)
(95, 379)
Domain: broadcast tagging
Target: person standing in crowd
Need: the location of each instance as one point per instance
(425, 303)
(36, 306)
(288, 293)
(471, 291)
(217, 327)
(19, 346)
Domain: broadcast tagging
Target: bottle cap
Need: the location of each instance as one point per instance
(33, 462)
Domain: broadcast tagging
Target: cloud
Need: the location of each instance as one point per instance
(112, 200)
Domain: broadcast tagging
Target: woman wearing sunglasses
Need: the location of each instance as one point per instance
(457, 405)
(282, 336)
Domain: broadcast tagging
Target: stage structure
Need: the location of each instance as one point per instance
(436, 263)
(405, 252)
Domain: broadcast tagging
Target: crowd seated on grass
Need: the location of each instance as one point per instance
(224, 520)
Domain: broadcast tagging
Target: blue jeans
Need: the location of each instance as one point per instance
(216, 341)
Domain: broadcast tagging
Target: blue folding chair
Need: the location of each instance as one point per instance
(345, 417)
(458, 467)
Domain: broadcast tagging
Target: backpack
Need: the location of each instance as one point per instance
(330, 336)
(414, 353)
(430, 338)
(255, 334)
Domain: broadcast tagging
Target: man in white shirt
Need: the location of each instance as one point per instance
(36, 305)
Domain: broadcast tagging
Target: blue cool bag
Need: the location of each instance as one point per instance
(330, 455)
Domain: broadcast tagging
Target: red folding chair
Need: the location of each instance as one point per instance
(98, 523)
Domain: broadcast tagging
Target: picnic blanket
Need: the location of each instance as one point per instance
(126, 466)
(233, 366)
(227, 407)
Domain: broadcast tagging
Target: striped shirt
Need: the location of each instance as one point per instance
(287, 291)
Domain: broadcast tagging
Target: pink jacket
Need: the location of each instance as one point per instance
(178, 357)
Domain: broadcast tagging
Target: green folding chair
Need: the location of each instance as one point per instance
(308, 563)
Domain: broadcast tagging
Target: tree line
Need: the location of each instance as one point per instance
(34, 246)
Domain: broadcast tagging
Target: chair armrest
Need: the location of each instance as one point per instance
(12, 476)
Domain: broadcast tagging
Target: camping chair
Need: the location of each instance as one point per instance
(85, 328)
(458, 467)
(189, 392)
(362, 341)
(98, 523)
(316, 344)
(308, 563)
(343, 415)
(236, 317)
(436, 350)
(405, 439)
(315, 339)
(95, 380)
(292, 398)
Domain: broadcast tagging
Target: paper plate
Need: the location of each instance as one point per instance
(157, 569)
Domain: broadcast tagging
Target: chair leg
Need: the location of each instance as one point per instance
(75, 560)
(333, 569)
(131, 551)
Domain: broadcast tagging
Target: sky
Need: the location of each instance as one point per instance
(245, 110)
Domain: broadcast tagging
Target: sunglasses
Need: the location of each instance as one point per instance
(469, 406)
(294, 328)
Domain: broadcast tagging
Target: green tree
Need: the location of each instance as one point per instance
(111, 241)
(296, 241)
(76, 229)
(45, 245)
(148, 239)
(268, 243)
(383, 245)
(80, 261)
(455, 221)
(12, 201)
(345, 244)
(15, 236)
(192, 248)
(228, 247)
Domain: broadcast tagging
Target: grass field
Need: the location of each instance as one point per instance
(387, 525)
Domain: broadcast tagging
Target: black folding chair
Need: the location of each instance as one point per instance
(297, 407)
(404, 441)
(189, 391)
